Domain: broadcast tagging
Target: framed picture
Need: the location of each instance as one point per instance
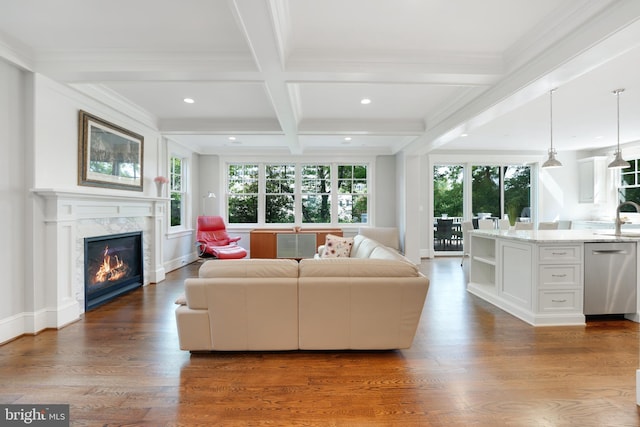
(108, 155)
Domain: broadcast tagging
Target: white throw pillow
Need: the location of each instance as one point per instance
(337, 246)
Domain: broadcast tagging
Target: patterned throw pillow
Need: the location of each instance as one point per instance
(337, 247)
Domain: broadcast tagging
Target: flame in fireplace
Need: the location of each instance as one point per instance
(111, 269)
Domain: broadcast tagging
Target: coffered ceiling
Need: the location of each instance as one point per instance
(288, 76)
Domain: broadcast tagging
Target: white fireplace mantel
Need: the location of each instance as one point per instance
(67, 217)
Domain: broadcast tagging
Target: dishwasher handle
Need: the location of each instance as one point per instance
(609, 252)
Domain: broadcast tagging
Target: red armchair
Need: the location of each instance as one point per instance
(212, 239)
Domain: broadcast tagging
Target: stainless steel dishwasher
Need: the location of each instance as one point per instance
(610, 278)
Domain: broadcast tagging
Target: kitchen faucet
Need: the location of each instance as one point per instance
(618, 221)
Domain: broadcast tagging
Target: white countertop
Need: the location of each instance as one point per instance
(563, 236)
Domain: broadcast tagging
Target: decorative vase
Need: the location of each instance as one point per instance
(159, 186)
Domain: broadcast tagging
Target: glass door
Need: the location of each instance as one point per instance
(448, 202)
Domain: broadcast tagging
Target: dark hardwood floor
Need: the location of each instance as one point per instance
(471, 365)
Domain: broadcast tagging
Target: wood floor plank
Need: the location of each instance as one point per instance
(471, 365)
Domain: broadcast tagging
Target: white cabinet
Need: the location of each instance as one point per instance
(541, 283)
(482, 270)
(517, 276)
(560, 280)
(592, 180)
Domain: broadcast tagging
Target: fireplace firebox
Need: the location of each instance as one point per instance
(113, 266)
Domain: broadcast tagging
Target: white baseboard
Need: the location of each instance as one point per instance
(34, 322)
(176, 263)
(11, 327)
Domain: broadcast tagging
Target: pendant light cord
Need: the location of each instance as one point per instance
(618, 102)
(551, 116)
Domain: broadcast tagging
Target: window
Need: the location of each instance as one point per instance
(353, 191)
(485, 190)
(280, 183)
(297, 193)
(629, 187)
(316, 194)
(242, 185)
(177, 191)
(448, 184)
(517, 192)
(500, 190)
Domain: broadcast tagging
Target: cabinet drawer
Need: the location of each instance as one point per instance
(560, 275)
(561, 254)
(551, 301)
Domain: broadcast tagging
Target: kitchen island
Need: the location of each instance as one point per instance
(538, 275)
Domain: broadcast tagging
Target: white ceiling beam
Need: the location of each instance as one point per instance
(255, 21)
(614, 31)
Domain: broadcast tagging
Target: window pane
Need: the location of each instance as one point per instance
(316, 208)
(485, 195)
(353, 190)
(345, 171)
(517, 192)
(243, 209)
(447, 190)
(352, 209)
(176, 209)
(176, 191)
(279, 200)
(242, 204)
(316, 179)
(279, 209)
(628, 179)
(175, 174)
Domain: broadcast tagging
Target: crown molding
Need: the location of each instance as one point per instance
(118, 103)
(16, 52)
(91, 65)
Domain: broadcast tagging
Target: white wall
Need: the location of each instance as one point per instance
(209, 179)
(558, 192)
(13, 190)
(39, 142)
(384, 208)
(179, 245)
(56, 137)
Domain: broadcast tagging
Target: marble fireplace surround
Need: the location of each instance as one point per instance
(69, 217)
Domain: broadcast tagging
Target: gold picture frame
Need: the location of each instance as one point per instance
(109, 156)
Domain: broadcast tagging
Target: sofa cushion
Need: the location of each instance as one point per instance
(356, 267)
(384, 252)
(387, 236)
(337, 246)
(256, 267)
(363, 246)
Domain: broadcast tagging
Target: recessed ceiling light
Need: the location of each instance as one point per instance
(464, 135)
(232, 138)
(347, 138)
(189, 100)
(365, 101)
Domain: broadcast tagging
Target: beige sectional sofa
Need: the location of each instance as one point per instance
(371, 300)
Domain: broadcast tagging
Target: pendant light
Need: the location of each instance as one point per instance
(618, 162)
(551, 162)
